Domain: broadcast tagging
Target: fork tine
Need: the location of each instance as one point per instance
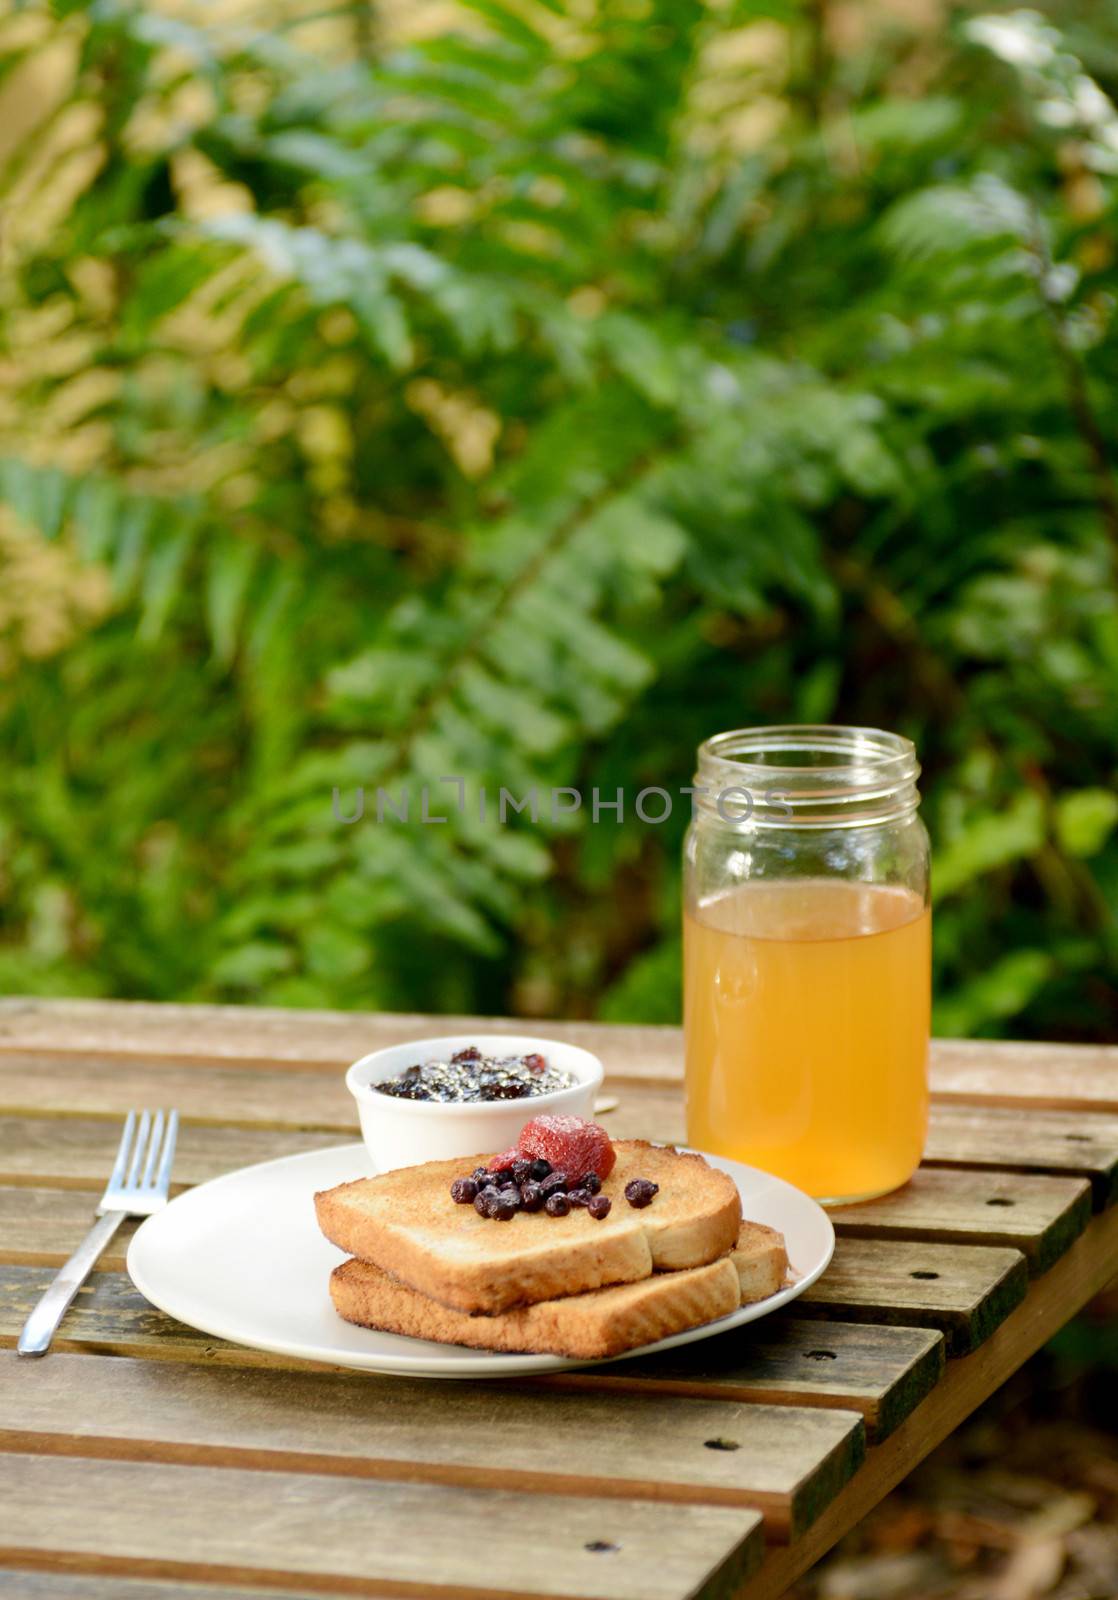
(121, 1164)
(163, 1177)
(141, 1146)
(153, 1148)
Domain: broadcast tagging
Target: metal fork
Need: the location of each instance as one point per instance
(139, 1185)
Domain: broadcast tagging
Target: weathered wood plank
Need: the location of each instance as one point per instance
(78, 1152)
(54, 1585)
(787, 1462)
(281, 1099)
(111, 1317)
(43, 1227)
(964, 1290)
(1040, 1216)
(882, 1372)
(972, 1071)
(278, 1098)
(270, 1036)
(1057, 1142)
(1079, 1275)
(1010, 1073)
(227, 1524)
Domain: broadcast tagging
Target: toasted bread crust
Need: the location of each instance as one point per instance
(601, 1323)
(760, 1260)
(471, 1264)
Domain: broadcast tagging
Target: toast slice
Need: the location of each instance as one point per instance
(601, 1323)
(761, 1261)
(406, 1223)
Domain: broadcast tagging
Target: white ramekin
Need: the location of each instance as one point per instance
(402, 1133)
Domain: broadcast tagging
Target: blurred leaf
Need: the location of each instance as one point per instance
(1085, 820)
(988, 842)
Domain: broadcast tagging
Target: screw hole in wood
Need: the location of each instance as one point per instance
(600, 1547)
(820, 1355)
(1000, 1200)
(721, 1444)
(923, 1274)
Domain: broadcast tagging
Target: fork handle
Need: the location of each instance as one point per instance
(41, 1325)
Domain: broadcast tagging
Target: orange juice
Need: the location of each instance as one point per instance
(807, 1005)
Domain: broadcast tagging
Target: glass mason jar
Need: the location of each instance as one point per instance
(807, 957)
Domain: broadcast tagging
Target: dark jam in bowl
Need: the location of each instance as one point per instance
(470, 1075)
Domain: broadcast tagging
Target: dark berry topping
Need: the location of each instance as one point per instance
(591, 1182)
(554, 1183)
(521, 1172)
(541, 1169)
(472, 1075)
(509, 1195)
(531, 1197)
(482, 1202)
(464, 1191)
(504, 1211)
(557, 1205)
(579, 1197)
(640, 1191)
(599, 1206)
(480, 1175)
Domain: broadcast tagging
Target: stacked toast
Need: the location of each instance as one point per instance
(573, 1285)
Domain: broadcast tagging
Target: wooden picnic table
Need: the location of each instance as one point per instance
(142, 1460)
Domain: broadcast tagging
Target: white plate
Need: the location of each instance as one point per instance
(242, 1257)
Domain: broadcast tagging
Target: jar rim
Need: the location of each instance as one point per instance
(859, 773)
(874, 748)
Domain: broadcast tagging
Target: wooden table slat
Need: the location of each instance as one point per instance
(883, 1372)
(1040, 1216)
(268, 1036)
(964, 1290)
(73, 1152)
(295, 1098)
(880, 1372)
(351, 1535)
(786, 1462)
(1056, 1142)
(55, 1585)
(43, 1227)
(977, 1072)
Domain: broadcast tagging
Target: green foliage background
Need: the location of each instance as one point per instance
(527, 395)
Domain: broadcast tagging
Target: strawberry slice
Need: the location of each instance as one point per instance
(507, 1159)
(571, 1144)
